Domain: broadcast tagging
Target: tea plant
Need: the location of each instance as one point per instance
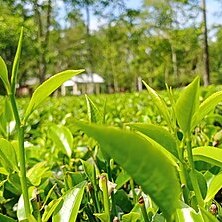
(8, 153)
(161, 170)
(164, 160)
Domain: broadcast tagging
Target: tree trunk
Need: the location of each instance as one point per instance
(206, 74)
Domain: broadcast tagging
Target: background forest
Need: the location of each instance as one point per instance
(161, 41)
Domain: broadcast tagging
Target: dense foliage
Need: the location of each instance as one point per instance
(60, 161)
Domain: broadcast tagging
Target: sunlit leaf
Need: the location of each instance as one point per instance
(37, 172)
(62, 137)
(4, 75)
(8, 155)
(214, 186)
(208, 154)
(159, 103)
(16, 63)
(46, 88)
(206, 107)
(71, 203)
(187, 104)
(149, 167)
(158, 134)
(94, 114)
(50, 209)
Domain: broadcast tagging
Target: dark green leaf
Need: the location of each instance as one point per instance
(4, 218)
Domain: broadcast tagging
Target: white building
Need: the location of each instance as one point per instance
(81, 84)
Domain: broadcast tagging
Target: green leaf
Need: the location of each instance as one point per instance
(46, 88)
(37, 172)
(207, 216)
(187, 213)
(206, 107)
(70, 207)
(214, 186)
(158, 134)
(62, 137)
(16, 63)
(160, 104)
(4, 218)
(4, 75)
(94, 114)
(187, 104)
(8, 156)
(122, 178)
(208, 154)
(90, 171)
(103, 217)
(132, 216)
(50, 209)
(150, 168)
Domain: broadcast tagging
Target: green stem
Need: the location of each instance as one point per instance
(104, 181)
(21, 156)
(133, 191)
(193, 177)
(143, 209)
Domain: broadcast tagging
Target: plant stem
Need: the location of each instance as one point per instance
(104, 181)
(193, 177)
(21, 155)
(143, 209)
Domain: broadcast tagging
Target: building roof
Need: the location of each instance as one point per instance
(84, 78)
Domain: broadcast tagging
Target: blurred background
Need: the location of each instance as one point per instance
(122, 42)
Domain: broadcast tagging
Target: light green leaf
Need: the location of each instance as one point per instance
(16, 63)
(187, 104)
(158, 134)
(150, 168)
(122, 178)
(187, 213)
(214, 186)
(70, 207)
(46, 88)
(94, 114)
(206, 107)
(37, 172)
(103, 217)
(90, 171)
(8, 155)
(208, 154)
(160, 104)
(4, 75)
(4, 218)
(132, 216)
(207, 216)
(50, 209)
(62, 137)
